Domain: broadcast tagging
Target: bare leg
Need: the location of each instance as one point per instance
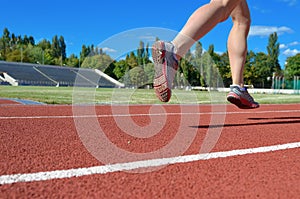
(237, 42)
(201, 22)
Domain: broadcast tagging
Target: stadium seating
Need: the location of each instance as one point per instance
(46, 75)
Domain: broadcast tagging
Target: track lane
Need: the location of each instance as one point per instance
(269, 175)
(33, 145)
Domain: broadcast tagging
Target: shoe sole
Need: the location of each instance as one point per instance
(160, 84)
(236, 101)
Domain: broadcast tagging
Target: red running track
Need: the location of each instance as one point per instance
(43, 138)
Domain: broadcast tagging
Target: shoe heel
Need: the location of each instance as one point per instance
(158, 52)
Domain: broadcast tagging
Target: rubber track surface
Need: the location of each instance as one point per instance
(43, 138)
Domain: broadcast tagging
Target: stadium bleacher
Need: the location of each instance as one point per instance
(24, 74)
(46, 75)
(60, 75)
(2, 81)
(91, 78)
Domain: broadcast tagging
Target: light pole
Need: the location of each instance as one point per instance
(21, 54)
(43, 56)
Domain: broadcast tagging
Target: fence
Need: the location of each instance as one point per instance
(282, 83)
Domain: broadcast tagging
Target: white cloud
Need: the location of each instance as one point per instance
(219, 52)
(289, 2)
(267, 30)
(283, 46)
(148, 38)
(295, 43)
(110, 50)
(289, 52)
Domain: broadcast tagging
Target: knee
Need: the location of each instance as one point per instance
(226, 7)
(228, 3)
(242, 21)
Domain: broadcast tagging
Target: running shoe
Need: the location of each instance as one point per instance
(165, 66)
(241, 98)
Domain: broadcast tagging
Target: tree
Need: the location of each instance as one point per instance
(146, 57)
(262, 71)
(58, 48)
(4, 44)
(72, 61)
(292, 67)
(126, 78)
(198, 62)
(36, 54)
(207, 69)
(14, 56)
(120, 68)
(185, 66)
(101, 62)
(223, 66)
(55, 47)
(109, 70)
(132, 60)
(48, 58)
(249, 68)
(44, 44)
(212, 74)
(31, 40)
(141, 54)
(62, 46)
(273, 53)
(19, 55)
(149, 73)
(199, 50)
(190, 72)
(137, 76)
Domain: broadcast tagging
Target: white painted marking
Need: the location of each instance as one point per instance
(60, 174)
(143, 114)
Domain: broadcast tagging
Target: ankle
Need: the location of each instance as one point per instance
(238, 85)
(175, 52)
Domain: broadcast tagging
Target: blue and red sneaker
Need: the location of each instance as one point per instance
(241, 98)
(165, 66)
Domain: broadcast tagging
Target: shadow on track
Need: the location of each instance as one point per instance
(282, 120)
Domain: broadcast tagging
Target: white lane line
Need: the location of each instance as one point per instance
(60, 174)
(143, 114)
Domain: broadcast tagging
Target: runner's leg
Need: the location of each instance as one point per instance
(201, 22)
(237, 42)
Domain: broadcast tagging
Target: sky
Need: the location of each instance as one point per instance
(118, 26)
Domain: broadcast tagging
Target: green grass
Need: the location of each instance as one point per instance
(69, 95)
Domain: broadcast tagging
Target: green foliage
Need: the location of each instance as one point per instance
(273, 53)
(140, 54)
(149, 73)
(72, 61)
(132, 60)
(223, 66)
(292, 66)
(100, 62)
(36, 53)
(198, 63)
(44, 44)
(258, 71)
(120, 68)
(197, 68)
(137, 76)
(110, 70)
(190, 73)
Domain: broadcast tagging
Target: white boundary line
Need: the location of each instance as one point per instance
(61, 174)
(143, 114)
